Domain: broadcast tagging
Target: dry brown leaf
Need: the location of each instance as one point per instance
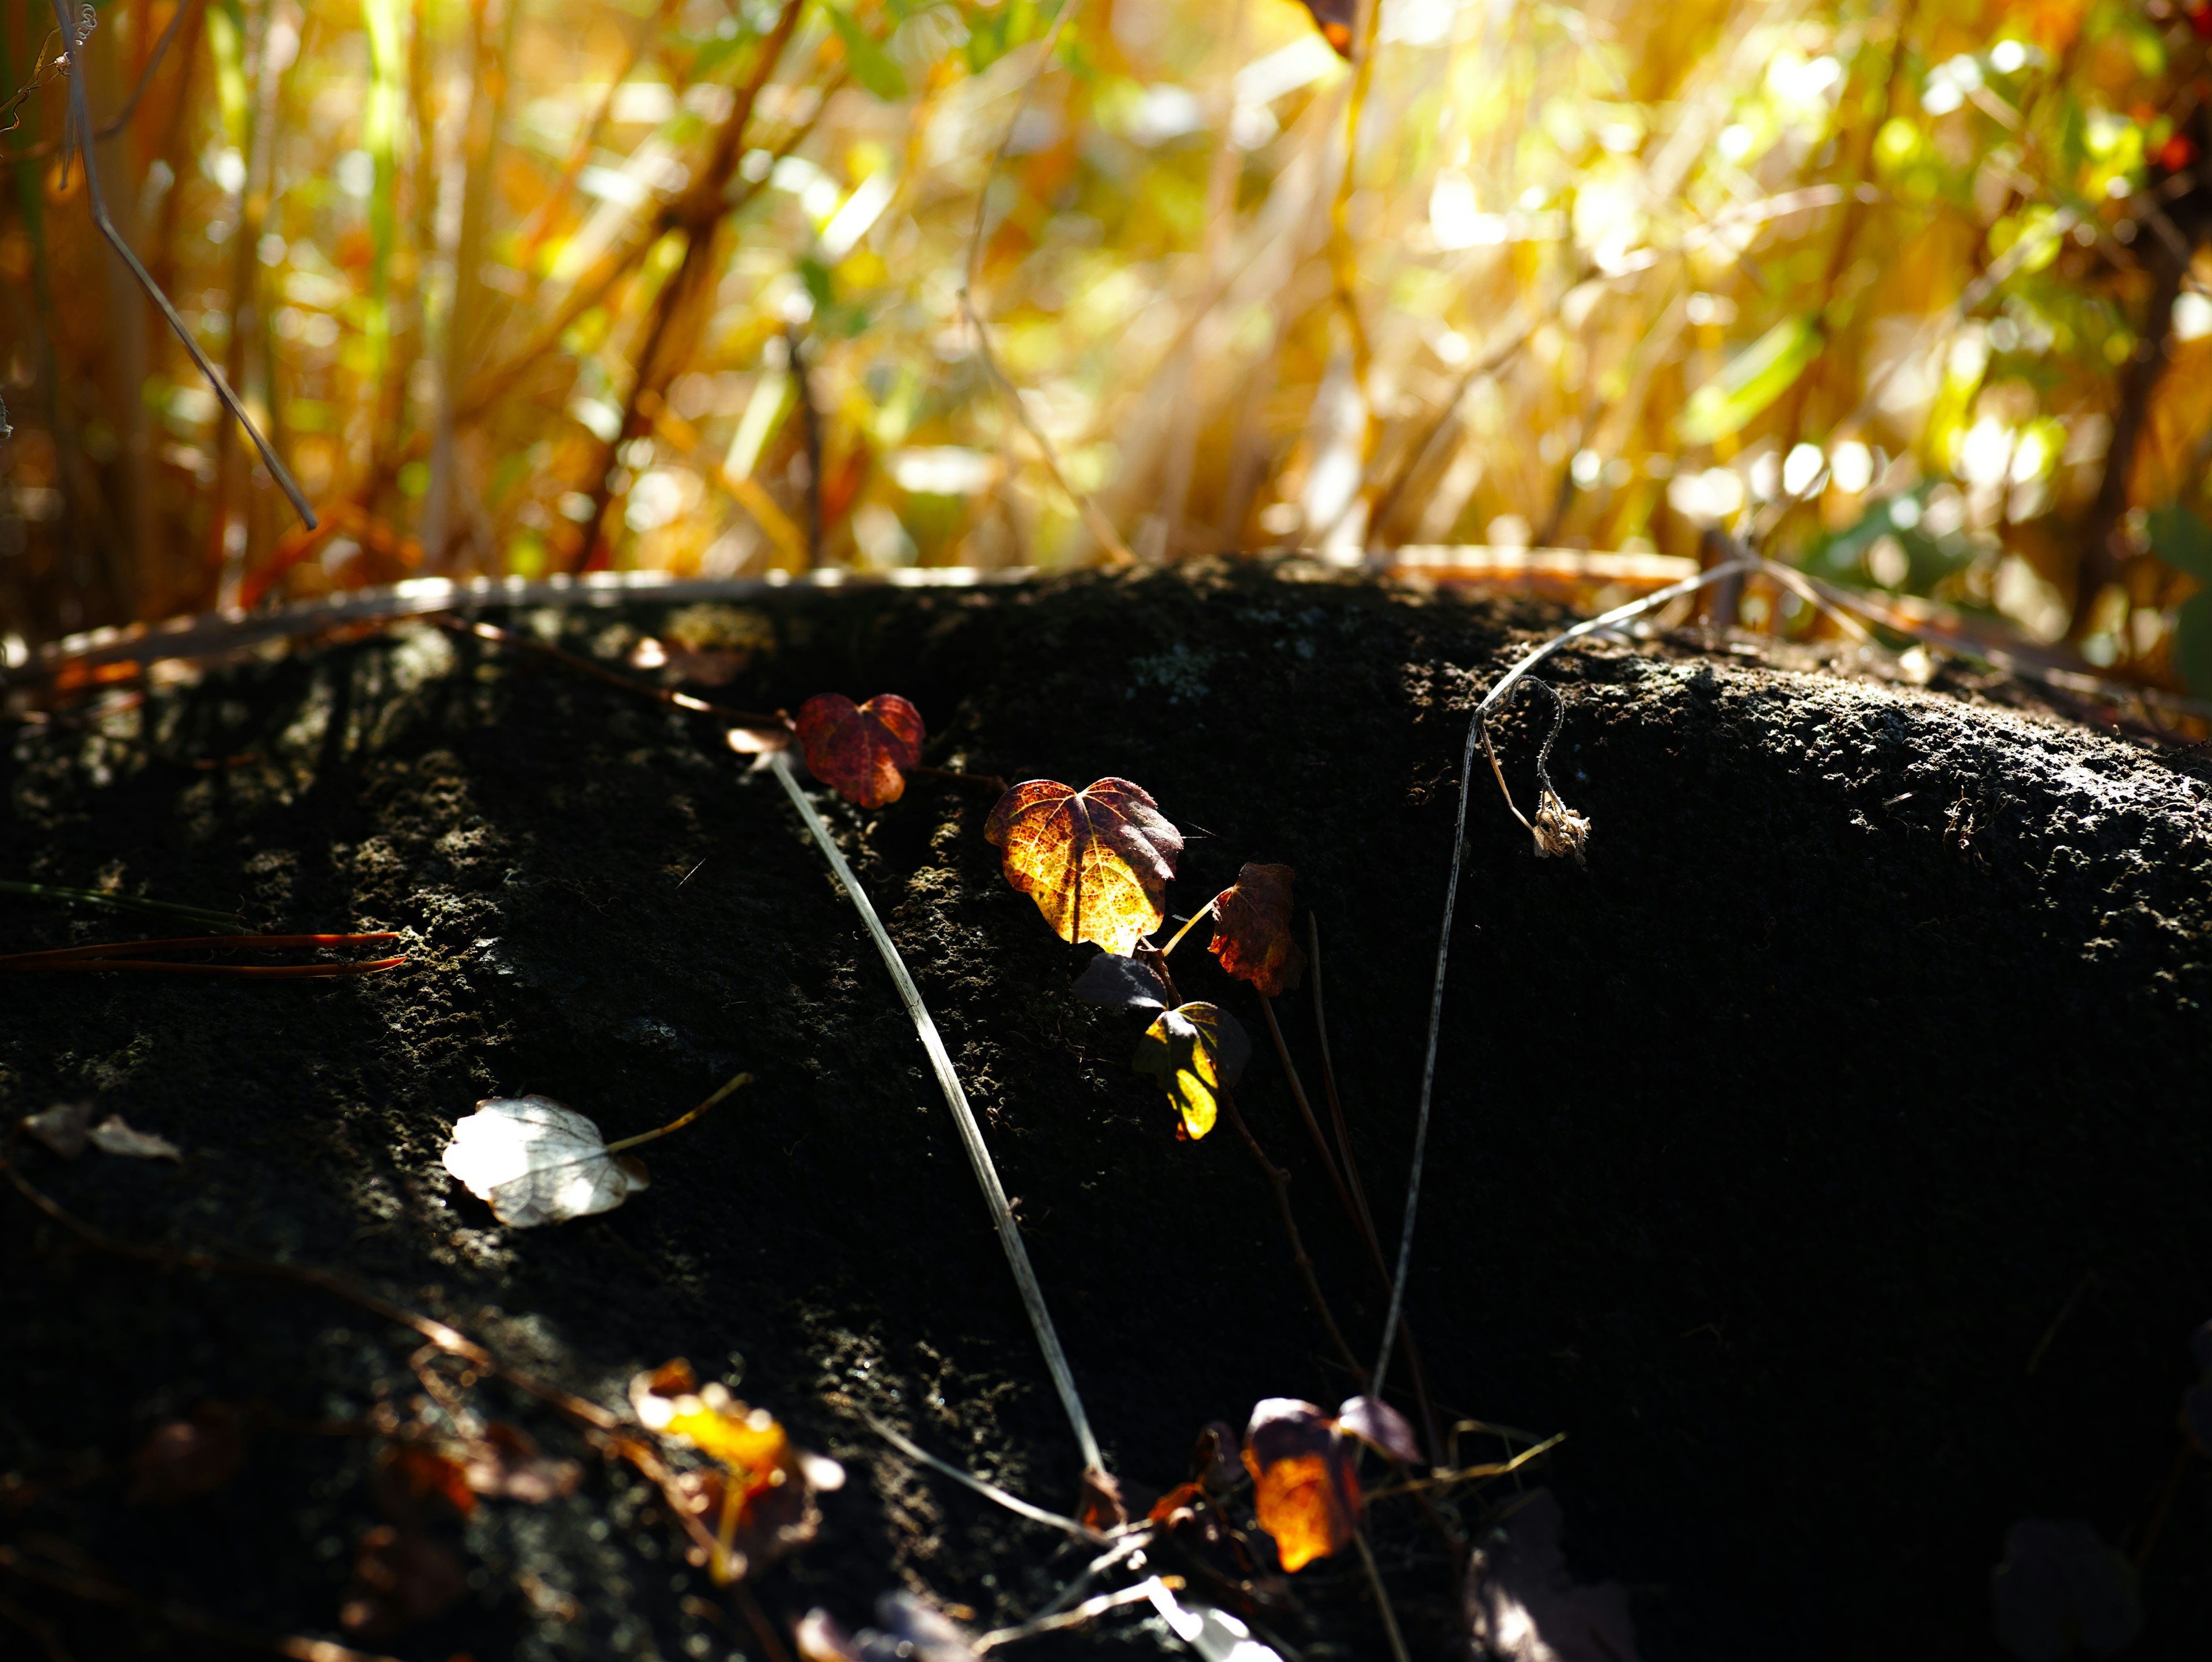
(861, 751)
(1252, 930)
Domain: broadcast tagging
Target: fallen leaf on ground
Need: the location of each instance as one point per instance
(2060, 1584)
(1127, 984)
(1522, 1606)
(64, 1127)
(195, 1455)
(1252, 930)
(1381, 1427)
(399, 1578)
(912, 1631)
(539, 1162)
(1196, 1051)
(409, 1474)
(761, 1504)
(1215, 1634)
(1303, 1487)
(861, 751)
(113, 1136)
(1096, 860)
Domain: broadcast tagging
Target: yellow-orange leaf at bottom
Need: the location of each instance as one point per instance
(1303, 1486)
(1298, 1505)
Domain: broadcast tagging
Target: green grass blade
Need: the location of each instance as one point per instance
(222, 923)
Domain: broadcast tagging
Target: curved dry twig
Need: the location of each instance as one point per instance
(1500, 689)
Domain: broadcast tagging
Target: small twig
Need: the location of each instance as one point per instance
(1467, 1474)
(988, 1490)
(1491, 701)
(1132, 1542)
(1381, 1597)
(1279, 1181)
(681, 1120)
(599, 672)
(1355, 1207)
(2065, 1310)
(1088, 1609)
(81, 115)
(122, 118)
(971, 1135)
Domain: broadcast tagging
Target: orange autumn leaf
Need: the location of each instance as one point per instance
(1303, 1487)
(1252, 930)
(759, 1495)
(1096, 860)
(861, 751)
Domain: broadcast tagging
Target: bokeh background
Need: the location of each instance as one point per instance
(1911, 296)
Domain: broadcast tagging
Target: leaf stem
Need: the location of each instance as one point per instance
(1279, 1181)
(679, 1122)
(1355, 1207)
(1382, 1598)
(1175, 939)
(1500, 689)
(971, 1135)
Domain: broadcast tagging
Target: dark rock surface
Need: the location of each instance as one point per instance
(1829, 1160)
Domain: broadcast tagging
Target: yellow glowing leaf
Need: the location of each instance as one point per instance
(1096, 860)
(1194, 1051)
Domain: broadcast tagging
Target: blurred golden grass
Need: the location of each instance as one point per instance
(1910, 294)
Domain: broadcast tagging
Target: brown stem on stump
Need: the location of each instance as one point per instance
(1355, 1207)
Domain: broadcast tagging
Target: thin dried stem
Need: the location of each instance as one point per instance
(971, 1135)
(681, 1120)
(988, 1490)
(81, 115)
(1497, 695)
(1355, 1207)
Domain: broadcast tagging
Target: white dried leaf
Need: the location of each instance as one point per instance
(64, 1127)
(113, 1136)
(539, 1162)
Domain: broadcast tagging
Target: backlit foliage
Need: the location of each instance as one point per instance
(521, 286)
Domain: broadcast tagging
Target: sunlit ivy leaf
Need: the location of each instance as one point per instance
(1381, 1427)
(871, 65)
(1252, 930)
(1196, 1051)
(1126, 983)
(761, 1503)
(861, 751)
(1096, 860)
(1754, 378)
(539, 1162)
(1305, 1489)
